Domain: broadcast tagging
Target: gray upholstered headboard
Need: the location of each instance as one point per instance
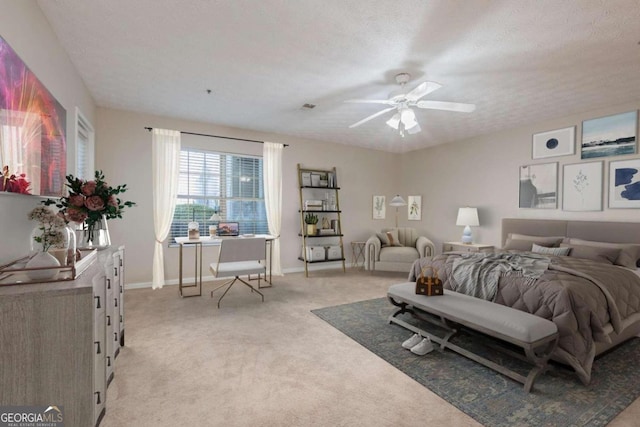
(599, 231)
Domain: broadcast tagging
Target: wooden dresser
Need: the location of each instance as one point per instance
(58, 341)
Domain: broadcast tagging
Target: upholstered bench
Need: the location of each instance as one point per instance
(453, 311)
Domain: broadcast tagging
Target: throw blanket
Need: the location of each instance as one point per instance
(477, 274)
(580, 296)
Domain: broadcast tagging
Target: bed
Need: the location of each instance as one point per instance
(593, 297)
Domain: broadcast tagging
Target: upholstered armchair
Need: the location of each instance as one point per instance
(395, 249)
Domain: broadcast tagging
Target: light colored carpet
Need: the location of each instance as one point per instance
(266, 364)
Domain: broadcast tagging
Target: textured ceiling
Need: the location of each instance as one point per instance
(519, 61)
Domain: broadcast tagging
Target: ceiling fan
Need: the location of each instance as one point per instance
(402, 101)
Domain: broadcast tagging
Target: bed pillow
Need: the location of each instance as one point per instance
(389, 238)
(606, 255)
(550, 251)
(628, 256)
(524, 242)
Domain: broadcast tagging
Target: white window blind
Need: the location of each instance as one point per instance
(230, 184)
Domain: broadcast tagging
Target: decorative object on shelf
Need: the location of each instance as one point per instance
(539, 186)
(311, 220)
(467, 217)
(306, 179)
(554, 143)
(624, 184)
(396, 202)
(379, 209)
(582, 187)
(609, 136)
(14, 184)
(90, 204)
(45, 261)
(415, 208)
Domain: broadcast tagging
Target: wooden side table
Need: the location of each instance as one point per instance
(357, 254)
(465, 247)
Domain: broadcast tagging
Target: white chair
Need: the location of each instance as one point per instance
(239, 256)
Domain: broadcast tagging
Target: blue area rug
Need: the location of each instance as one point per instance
(558, 397)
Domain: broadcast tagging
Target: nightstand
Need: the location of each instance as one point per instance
(464, 247)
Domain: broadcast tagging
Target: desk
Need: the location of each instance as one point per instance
(212, 241)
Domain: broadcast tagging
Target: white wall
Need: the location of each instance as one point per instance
(483, 172)
(25, 28)
(123, 152)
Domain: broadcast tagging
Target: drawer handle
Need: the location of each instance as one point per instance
(108, 320)
(98, 397)
(108, 283)
(115, 271)
(98, 301)
(116, 301)
(108, 360)
(98, 344)
(115, 336)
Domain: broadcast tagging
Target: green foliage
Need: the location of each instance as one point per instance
(311, 218)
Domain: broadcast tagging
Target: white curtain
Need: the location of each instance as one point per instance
(165, 167)
(272, 164)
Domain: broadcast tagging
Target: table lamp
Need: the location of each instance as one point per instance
(468, 217)
(397, 201)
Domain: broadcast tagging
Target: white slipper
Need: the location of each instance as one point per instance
(423, 347)
(412, 342)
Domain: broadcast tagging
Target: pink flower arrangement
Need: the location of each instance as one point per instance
(90, 201)
(13, 183)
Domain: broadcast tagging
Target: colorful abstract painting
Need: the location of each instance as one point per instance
(32, 127)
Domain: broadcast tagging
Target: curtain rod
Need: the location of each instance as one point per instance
(218, 136)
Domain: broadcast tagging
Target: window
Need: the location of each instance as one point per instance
(229, 184)
(84, 147)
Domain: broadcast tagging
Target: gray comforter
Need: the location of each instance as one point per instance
(580, 296)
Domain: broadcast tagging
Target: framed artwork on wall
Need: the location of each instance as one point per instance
(609, 136)
(582, 187)
(379, 211)
(539, 186)
(560, 142)
(624, 184)
(415, 208)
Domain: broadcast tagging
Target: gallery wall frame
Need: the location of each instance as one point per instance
(33, 141)
(379, 207)
(539, 186)
(582, 186)
(624, 184)
(614, 135)
(554, 143)
(414, 210)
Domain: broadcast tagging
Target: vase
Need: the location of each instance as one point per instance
(41, 260)
(93, 235)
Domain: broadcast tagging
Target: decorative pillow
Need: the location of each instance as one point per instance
(629, 252)
(389, 238)
(550, 251)
(524, 242)
(607, 255)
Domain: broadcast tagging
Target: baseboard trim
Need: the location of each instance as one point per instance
(188, 280)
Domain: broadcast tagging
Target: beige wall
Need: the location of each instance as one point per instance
(25, 28)
(483, 172)
(123, 152)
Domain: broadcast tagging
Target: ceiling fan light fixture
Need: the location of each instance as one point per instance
(394, 121)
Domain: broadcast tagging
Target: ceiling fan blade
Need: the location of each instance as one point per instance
(373, 116)
(449, 106)
(422, 89)
(371, 101)
(414, 129)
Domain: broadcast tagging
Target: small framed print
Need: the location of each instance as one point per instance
(415, 208)
(582, 187)
(554, 143)
(624, 184)
(609, 136)
(539, 186)
(306, 179)
(379, 207)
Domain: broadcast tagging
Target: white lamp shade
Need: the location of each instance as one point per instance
(397, 201)
(468, 216)
(215, 217)
(394, 121)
